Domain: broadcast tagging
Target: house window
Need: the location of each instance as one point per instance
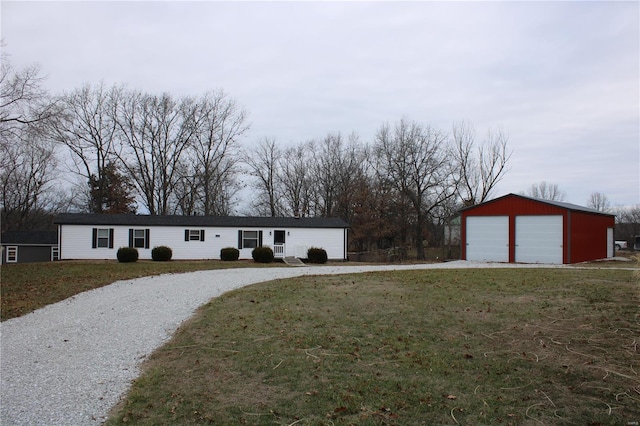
(55, 253)
(102, 238)
(12, 254)
(249, 239)
(139, 238)
(194, 234)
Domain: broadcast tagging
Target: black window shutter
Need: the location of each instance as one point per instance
(94, 244)
(186, 235)
(240, 239)
(259, 238)
(147, 232)
(130, 237)
(202, 235)
(110, 237)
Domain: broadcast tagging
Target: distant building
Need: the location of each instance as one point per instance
(452, 231)
(29, 246)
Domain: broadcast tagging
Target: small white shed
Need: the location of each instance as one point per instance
(98, 236)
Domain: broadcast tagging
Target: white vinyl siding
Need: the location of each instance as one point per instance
(299, 240)
(74, 244)
(487, 238)
(76, 241)
(539, 239)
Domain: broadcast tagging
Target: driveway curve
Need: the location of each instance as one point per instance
(69, 363)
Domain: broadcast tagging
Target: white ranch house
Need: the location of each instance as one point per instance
(99, 236)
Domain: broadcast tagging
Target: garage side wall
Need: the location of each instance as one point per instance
(588, 236)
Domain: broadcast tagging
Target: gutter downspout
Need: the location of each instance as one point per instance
(346, 244)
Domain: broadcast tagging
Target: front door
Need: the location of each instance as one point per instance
(278, 244)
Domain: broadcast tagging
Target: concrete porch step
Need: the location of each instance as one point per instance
(293, 261)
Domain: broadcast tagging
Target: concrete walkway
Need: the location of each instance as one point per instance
(293, 261)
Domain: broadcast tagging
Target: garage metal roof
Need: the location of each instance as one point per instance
(560, 204)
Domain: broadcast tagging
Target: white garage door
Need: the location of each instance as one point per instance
(539, 239)
(488, 238)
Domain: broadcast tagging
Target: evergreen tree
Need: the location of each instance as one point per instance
(112, 192)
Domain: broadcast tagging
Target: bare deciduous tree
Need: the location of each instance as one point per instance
(264, 163)
(27, 158)
(23, 100)
(353, 173)
(627, 224)
(414, 159)
(481, 167)
(214, 151)
(156, 130)
(27, 174)
(87, 126)
(373, 215)
(325, 170)
(163, 143)
(546, 191)
(599, 201)
(336, 165)
(295, 175)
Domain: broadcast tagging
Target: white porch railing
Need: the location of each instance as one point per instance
(278, 251)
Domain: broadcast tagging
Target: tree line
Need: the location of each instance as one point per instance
(125, 150)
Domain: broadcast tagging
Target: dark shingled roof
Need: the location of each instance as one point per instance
(29, 238)
(199, 221)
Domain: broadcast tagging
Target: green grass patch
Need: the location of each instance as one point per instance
(27, 287)
(469, 347)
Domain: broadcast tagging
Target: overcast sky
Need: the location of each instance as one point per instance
(560, 78)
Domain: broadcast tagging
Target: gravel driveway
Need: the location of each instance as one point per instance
(69, 363)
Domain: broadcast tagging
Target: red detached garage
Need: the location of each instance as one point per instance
(515, 228)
